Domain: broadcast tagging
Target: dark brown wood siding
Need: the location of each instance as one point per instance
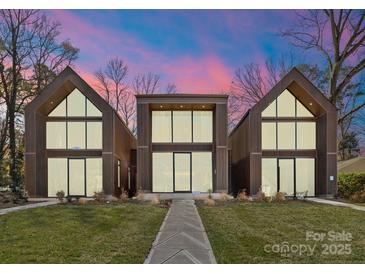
(116, 138)
(245, 139)
(219, 146)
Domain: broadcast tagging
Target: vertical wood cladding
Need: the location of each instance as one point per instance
(217, 103)
(117, 140)
(245, 139)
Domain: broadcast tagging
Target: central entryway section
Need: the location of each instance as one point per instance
(182, 172)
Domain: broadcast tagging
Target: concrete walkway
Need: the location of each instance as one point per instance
(182, 238)
(24, 207)
(336, 203)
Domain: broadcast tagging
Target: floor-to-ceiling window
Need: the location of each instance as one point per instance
(75, 176)
(74, 124)
(288, 175)
(182, 171)
(182, 126)
(287, 125)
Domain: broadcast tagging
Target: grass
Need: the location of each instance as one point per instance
(115, 233)
(239, 232)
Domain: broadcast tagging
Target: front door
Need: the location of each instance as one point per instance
(76, 177)
(286, 176)
(182, 172)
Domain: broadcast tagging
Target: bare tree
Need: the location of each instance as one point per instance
(127, 110)
(171, 88)
(146, 83)
(20, 35)
(339, 36)
(113, 83)
(251, 82)
(48, 57)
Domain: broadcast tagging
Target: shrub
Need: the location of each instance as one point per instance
(82, 201)
(223, 196)
(156, 200)
(350, 183)
(60, 195)
(99, 196)
(209, 202)
(140, 195)
(358, 197)
(209, 194)
(278, 197)
(242, 196)
(124, 196)
(260, 196)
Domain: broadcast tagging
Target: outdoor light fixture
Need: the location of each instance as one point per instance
(161, 106)
(181, 106)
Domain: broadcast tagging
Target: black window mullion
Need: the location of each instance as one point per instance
(172, 126)
(192, 126)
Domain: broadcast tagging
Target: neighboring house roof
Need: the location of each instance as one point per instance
(352, 165)
(300, 87)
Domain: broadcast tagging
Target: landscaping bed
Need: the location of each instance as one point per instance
(259, 232)
(80, 233)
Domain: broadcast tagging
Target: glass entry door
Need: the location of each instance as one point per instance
(76, 177)
(286, 176)
(182, 172)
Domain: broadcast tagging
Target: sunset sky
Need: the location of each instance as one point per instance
(196, 50)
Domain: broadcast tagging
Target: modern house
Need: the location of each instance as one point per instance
(182, 143)
(287, 142)
(76, 142)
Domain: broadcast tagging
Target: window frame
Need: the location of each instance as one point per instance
(192, 127)
(277, 119)
(85, 119)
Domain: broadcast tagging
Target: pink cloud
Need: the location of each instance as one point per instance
(206, 75)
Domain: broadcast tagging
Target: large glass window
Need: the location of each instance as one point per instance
(286, 135)
(76, 177)
(270, 111)
(302, 111)
(94, 135)
(286, 175)
(305, 176)
(202, 179)
(94, 175)
(286, 104)
(182, 171)
(306, 135)
(76, 104)
(57, 176)
(56, 135)
(76, 135)
(161, 126)
(70, 176)
(269, 176)
(162, 172)
(60, 110)
(202, 126)
(268, 133)
(92, 110)
(181, 126)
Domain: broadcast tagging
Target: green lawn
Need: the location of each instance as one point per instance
(239, 233)
(118, 233)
